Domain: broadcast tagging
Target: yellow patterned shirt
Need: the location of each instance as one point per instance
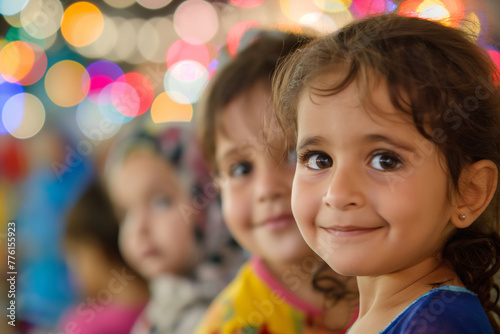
(256, 303)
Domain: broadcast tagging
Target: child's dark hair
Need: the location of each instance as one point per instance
(254, 64)
(445, 83)
(92, 219)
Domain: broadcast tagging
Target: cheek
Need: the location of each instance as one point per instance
(127, 244)
(235, 208)
(173, 228)
(304, 204)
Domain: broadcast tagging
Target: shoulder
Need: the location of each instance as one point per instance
(247, 303)
(222, 311)
(110, 319)
(175, 307)
(443, 310)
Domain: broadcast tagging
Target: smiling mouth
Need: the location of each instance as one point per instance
(278, 223)
(149, 253)
(349, 231)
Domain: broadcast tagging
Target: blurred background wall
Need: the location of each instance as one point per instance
(76, 75)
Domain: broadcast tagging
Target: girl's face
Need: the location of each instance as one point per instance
(156, 234)
(370, 193)
(255, 187)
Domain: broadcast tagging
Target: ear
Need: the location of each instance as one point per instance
(477, 185)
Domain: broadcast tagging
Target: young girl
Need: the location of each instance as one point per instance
(273, 292)
(397, 124)
(169, 224)
(113, 295)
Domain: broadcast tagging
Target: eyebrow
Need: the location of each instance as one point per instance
(227, 154)
(371, 138)
(309, 141)
(374, 138)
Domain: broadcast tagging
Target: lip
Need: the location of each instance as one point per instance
(149, 252)
(350, 231)
(278, 222)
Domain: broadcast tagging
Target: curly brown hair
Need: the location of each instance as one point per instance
(446, 83)
(253, 65)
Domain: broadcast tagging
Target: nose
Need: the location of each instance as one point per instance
(141, 222)
(273, 180)
(345, 190)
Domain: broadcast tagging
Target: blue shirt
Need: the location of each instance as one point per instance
(444, 310)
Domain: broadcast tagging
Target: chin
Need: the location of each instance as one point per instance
(347, 269)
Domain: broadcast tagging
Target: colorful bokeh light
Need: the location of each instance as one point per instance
(495, 56)
(319, 22)
(333, 6)
(16, 60)
(8, 90)
(101, 73)
(22, 62)
(247, 3)
(185, 81)
(120, 3)
(23, 115)
(449, 12)
(362, 8)
(39, 66)
(132, 94)
(474, 24)
(12, 7)
(153, 4)
(82, 23)
(236, 33)
(295, 9)
(42, 18)
(165, 109)
(104, 44)
(182, 50)
(67, 83)
(203, 14)
(93, 124)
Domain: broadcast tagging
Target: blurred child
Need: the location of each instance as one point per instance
(273, 292)
(112, 295)
(398, 141)
(170, 228)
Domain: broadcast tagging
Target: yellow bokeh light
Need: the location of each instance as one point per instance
(295, 9)
(332, 6)
(67, 83)
(164, 109)
(433, 9)
(82, 24)
(16, 61)
(472, 25)
(447, 12)
(14, 20)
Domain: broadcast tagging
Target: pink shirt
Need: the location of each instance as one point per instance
(94, 318)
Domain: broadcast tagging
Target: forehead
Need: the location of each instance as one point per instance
(247, 118)
(246, 111)
(369, 97)
(248, 126)
(142, 171)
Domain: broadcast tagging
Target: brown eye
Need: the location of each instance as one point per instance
(385, 162)
(319, 161)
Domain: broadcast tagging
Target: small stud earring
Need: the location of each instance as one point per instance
(461, 216)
